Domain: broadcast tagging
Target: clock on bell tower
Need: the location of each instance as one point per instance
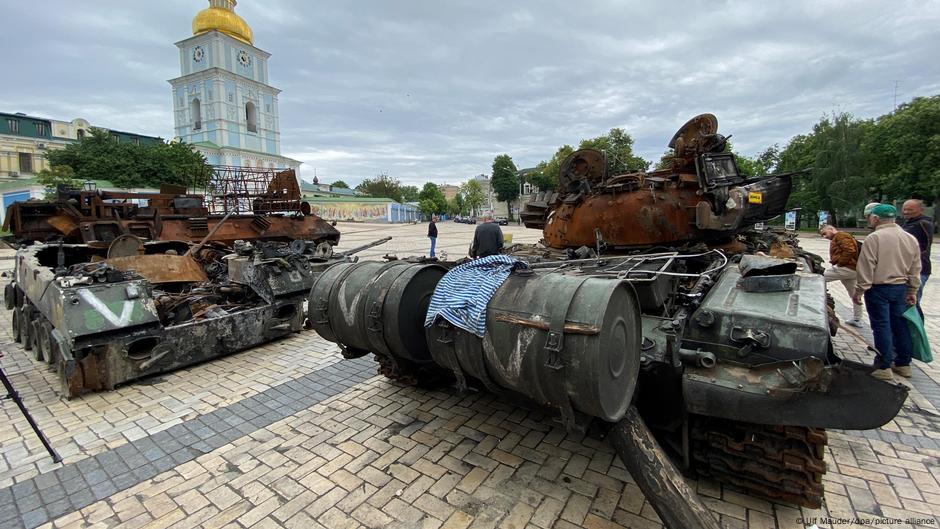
(222, 103)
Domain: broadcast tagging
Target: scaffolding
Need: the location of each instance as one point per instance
(250, 190)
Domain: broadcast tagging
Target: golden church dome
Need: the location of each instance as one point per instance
(220, 16)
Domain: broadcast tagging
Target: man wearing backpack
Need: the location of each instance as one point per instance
(843, 256)
(921, 228)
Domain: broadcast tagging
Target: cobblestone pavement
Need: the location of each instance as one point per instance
(288, 435)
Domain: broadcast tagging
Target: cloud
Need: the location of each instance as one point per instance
(435, 90)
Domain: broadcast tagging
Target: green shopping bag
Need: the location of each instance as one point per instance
(918, 335)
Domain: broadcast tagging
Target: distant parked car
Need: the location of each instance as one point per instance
(502, 221)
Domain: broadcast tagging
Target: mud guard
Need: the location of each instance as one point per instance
(799, 393)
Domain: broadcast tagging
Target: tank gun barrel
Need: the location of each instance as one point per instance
(366, 246)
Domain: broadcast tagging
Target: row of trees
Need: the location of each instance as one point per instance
(98, 156)
(430, 199)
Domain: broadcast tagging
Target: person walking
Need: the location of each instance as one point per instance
(843, 256)
(888, 276)
(487, 238)
(921, 227)
(432, 233)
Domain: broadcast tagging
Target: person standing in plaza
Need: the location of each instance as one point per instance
(888, 276)
(921, 227)
(843, 256)
(432, 233)
(487, 238)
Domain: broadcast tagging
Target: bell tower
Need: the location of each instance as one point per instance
(222, 103)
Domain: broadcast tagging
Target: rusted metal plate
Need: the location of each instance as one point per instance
(161, 268)
(638, 218)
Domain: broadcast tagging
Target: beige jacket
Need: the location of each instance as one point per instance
(890, 256)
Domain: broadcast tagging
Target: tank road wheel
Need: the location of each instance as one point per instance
(35, 331)
(25, 328)
(9, 296)
(45, 341)
(15, 326)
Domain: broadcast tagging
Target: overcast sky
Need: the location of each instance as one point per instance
(433, 90)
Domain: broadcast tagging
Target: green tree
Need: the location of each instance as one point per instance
(409, 193)
(618, 146)
(665, 161)
(57, 175)
(760, 165)
(841, 180)
(473, 196)
(504, 181)
(99, 156)
(545, 176)
(431, 192)
(382, 186)
(340, 184)
(904, 151)
(456, 206)
(427, 206)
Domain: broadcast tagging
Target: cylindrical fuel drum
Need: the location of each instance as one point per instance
(562, 340)
(376, 307)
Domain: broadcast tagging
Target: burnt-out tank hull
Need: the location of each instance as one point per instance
(104, 322)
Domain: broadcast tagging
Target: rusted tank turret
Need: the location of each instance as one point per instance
(700, 196)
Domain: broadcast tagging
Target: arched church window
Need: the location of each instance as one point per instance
(81, 134)
(196, 110)
(251, 116)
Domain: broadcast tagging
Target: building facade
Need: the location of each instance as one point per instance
(25, 140)
(222, 103)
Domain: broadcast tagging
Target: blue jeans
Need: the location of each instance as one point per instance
(886, 305)
(433, 244)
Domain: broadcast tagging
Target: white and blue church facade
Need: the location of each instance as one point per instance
(222, 103)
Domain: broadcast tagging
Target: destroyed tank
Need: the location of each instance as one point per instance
(647, 302)
(103, 316)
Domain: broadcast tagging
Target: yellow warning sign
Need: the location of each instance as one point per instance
(755, 198)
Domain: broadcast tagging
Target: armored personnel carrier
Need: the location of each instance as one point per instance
(647, 302)
(103, 319)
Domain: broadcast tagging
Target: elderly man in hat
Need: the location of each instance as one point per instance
(888, 275)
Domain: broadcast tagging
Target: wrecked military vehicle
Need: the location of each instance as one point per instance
(102, 319)
(647, 302)
(258, 204)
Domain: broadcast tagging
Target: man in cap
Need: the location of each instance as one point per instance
(921, 227)
(843, 255)
(888, 275)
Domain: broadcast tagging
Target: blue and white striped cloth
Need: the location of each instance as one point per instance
(463, 292)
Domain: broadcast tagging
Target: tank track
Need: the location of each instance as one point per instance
(393, 370)
(780, 463)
